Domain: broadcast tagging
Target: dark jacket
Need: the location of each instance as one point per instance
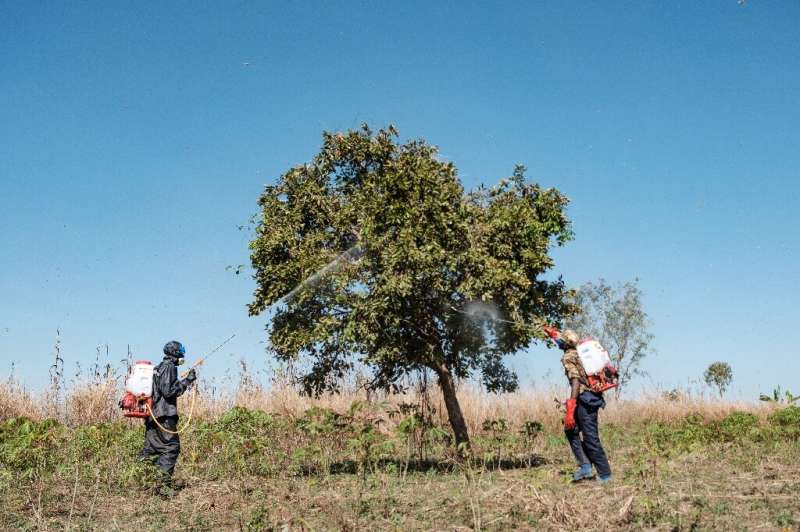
(167, 388)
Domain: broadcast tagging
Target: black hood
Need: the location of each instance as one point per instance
(174, 349)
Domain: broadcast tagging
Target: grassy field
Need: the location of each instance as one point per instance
(260, 460)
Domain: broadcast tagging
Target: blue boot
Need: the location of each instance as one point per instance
(583, 473)
(605, 479)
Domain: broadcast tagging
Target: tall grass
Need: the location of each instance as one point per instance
(91, 397)
(94, 400)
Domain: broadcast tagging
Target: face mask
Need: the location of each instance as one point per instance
(179, 361)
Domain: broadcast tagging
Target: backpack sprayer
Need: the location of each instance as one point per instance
(138, 399)
(601, 375)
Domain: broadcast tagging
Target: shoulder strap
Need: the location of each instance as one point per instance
(157, 372)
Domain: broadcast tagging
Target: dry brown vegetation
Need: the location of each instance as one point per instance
(257, 459)
(89, 402)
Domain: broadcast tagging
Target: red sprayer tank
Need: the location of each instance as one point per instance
(138, 390)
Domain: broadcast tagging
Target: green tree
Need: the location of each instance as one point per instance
(616, 318)
(391, 245)
(720, 375)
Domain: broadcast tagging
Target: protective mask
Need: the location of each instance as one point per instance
(179, 361)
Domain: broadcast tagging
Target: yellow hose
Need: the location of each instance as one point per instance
(188, 419)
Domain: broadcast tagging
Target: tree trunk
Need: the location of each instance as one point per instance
(451, 403)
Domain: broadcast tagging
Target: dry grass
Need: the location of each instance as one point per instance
(92, 402)
(88, 477)
(16, 401)
(87, 402)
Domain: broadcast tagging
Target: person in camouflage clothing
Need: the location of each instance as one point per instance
(580, 422)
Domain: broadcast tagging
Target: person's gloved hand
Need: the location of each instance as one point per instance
(552, 332)
(191, 376)
(569, 418)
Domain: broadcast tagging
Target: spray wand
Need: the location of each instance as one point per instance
(194, 394)
(203, 359)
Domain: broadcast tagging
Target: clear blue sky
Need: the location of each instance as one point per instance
(136, 137)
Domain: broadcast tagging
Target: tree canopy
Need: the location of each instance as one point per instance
(379, 246)
(615, 316)
(719, 375)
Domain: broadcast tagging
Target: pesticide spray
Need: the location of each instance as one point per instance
(600, 372)
(482, 310)
(352, 254)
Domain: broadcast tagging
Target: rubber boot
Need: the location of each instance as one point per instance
(583, 473)
(605, 479)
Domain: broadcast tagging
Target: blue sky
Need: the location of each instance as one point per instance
(136, 137)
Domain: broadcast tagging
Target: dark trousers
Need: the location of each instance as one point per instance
(161, 447)
(588, 449)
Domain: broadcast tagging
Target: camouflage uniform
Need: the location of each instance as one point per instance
(573, 369)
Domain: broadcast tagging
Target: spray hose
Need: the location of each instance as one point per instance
(188, 419)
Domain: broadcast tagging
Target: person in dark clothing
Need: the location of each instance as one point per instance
(162, 447)
(581, 416)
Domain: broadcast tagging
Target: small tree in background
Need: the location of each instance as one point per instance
(720, 375)
(780, 396)
(393, 246)
(615, 317)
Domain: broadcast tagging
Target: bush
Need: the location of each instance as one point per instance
(691, 433)
(242, 441)
(105, 441)
(30, 447)
(685, 436)
(788, 417)
(244, 422)
(786, 422)
(739, 426)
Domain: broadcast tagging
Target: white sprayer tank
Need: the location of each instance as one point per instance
(593, 356)
(140, 380)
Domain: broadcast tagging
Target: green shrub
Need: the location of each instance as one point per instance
(531, 429)
(30, 447)
(104, 441)
(239, 420)
(788, 417)
(495, 426)
(240, 442)
(687, 435)
(786, 423)
(137, 474)
(739, 426)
